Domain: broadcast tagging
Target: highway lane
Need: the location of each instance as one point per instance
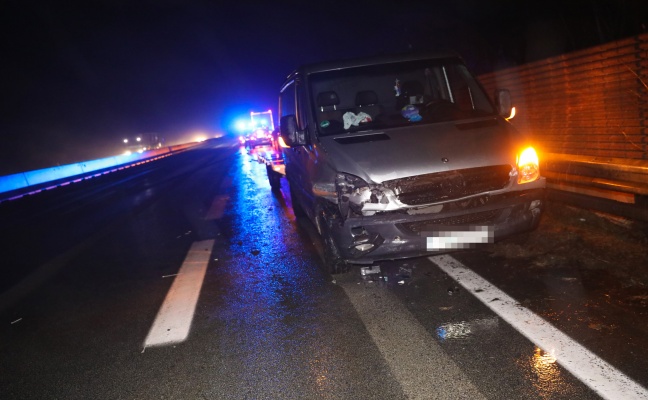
(101, 278)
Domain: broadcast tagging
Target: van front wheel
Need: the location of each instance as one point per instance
(297, 209)
(274, 178)
(334, 262)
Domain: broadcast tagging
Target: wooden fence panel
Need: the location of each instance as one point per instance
(593, 102)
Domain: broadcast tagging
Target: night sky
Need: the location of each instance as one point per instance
(76, 77)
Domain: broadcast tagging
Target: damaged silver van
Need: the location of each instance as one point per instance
(401, 156)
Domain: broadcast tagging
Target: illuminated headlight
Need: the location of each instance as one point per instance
(528, 165)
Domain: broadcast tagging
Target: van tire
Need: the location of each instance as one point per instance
(332, 259)
(274, 178)
(334, 263)
(297, 208)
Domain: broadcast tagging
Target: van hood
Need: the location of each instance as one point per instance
(379, 156)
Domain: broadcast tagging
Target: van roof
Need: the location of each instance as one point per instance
(371, 60)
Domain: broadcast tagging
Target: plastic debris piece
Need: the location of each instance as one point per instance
(401, 282)
(374, 269)
(16, 321)
(405, 272)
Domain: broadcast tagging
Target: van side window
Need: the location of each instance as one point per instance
(302, 110)
(287, 100)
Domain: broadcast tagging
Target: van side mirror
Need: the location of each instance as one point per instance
(503, 102)
(290, 133)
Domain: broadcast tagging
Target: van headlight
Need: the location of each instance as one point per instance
(528, 165)
(360, 197)
(352, 192)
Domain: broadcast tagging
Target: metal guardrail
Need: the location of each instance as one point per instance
(22, 183)
(613, 185)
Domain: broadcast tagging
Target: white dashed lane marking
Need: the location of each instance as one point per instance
(173, 321)
(421, 367)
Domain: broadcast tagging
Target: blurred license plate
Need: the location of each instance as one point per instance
(458, 237)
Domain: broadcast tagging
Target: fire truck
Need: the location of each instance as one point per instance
(265, 144)
(258, 130)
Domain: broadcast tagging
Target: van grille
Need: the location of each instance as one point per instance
(485, 217)
(449, 185)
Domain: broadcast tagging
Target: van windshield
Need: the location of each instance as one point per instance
(395, 94)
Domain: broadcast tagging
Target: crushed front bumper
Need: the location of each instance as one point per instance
(363, 240)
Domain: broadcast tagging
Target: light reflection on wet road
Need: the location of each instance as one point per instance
(546, 375)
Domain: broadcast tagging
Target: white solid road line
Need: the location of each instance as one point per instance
(596, 373)
(174, 319)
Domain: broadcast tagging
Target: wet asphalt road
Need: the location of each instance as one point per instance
(87, 269)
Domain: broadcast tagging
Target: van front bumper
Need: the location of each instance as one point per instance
(363, 240)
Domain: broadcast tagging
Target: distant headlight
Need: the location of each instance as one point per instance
(528, 165)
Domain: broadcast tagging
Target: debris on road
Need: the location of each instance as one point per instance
(404, 274)
(374, 269)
